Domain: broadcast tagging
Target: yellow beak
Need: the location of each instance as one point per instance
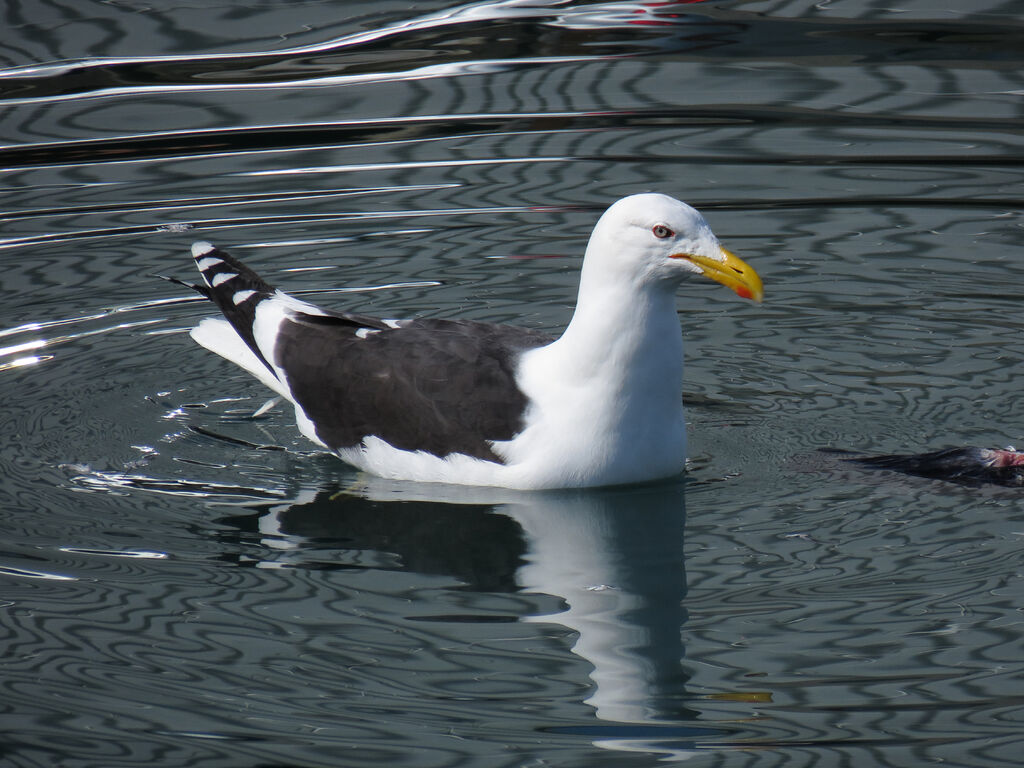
(733, 273)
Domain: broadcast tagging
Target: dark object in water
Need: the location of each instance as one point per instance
(967, 466)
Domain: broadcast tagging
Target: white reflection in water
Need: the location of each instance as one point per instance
(615, 558)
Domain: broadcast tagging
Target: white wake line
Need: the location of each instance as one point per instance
(475, 12)
(483, 66)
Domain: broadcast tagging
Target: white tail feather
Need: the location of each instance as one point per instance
(217, 335)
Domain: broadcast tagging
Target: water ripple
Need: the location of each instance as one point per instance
(176, 593)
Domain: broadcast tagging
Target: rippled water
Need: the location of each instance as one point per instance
(171, 598)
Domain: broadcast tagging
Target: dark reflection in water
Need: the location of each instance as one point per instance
(362, 619)
(167, 597)
(460, 540)
(614, 557)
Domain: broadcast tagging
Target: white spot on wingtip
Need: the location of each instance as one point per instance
(363, 333)
(241, 296)
(207, 262)
(390, 323)
(223, 277)
(201, 248)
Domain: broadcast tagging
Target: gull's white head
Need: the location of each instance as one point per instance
(652, 239)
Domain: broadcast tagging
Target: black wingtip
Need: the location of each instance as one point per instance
(235, 289)
(219, 268)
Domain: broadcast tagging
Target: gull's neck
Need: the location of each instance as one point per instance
(606, 397)
(626, 336)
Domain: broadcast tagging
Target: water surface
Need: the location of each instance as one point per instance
(170, 598)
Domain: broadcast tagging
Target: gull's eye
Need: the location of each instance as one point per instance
(661, 231)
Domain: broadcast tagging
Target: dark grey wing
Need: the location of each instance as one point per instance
(440, 386)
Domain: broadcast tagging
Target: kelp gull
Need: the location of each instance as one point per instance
(458, 401)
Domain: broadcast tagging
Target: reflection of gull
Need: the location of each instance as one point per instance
(614, 556)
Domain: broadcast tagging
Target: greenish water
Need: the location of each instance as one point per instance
(167, 598)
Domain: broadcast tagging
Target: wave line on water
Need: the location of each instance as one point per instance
(475, 11)
(213, 201)
(209, 225)
(432, 71)
(280, 138)
(406, 165)
(26, 573)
